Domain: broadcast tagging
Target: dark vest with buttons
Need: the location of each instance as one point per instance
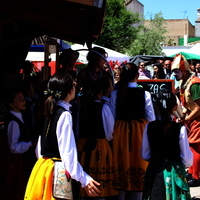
(132, 107)
(24, 132)
(164, 145)
(91, 125)
(49, 142)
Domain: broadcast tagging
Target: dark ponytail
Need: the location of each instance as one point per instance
(129, 73)
(58, 88)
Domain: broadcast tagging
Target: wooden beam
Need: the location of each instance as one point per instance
(97, 3)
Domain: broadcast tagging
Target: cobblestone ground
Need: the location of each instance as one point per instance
(195, 192)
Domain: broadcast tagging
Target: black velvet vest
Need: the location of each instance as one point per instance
(132, 105)
(164, 144)
(91, 123)
(49, 142)
(24, 131)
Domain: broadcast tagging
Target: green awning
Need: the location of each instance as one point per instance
(188, 56)
(181, 40)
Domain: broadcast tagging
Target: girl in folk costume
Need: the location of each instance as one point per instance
(190, 99)
(165, 146)
(132, 108)
(18, 157)
(58, 142)
(96, 128)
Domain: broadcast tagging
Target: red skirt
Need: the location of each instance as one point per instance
(194, 131)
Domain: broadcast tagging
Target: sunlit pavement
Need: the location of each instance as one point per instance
(195, 192)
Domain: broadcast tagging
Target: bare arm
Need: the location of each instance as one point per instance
(195, 113)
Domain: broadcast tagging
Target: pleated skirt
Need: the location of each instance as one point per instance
(97, 161)
(39, 186)
(129, 167)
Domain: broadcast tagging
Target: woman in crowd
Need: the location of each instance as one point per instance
(158, 71)
(95, 68)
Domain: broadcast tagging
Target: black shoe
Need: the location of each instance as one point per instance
(188, 175)
(192, 182)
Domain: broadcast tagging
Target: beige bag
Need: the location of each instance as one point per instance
(62, 186)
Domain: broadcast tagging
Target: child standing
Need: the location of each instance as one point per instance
(165, 146)
(19, 150)
(96, 129)
(58, 142)
(132, 108)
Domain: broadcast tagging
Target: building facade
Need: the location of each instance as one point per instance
(197, 24)
(135, 6)
(178, 28)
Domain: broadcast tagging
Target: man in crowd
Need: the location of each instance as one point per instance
(190, 99)
(197, 69)
(143, 73)
(167, 68)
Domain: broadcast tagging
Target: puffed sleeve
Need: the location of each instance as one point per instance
(145, 152)
(112, 104)
(185, 152)
(68, 151)
(13, 133)
(149, 110)
(108, 122)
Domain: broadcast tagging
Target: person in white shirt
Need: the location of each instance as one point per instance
(132, 108)
(57, 141)
(96, 125)
(18, 156)
(165, 145)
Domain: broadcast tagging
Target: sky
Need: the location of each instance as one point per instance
(172, 9)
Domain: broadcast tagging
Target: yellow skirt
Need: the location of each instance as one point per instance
(40, 182)
(129, 166)
(98, 163)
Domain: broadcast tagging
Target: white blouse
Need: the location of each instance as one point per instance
(67, 146)
(13, 134)
(185, 152)
(149, 110)
(108, 121)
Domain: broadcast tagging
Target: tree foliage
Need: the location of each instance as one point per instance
(150, 37)
(118, 31)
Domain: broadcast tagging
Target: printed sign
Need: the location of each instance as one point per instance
(154, 86)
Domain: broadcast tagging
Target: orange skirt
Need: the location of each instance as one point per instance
(98, 163)
(40, 182)
(129, 166)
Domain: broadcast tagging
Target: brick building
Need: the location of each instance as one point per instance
(177, 28)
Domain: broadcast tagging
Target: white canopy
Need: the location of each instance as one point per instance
(195, 49)
(112, 55)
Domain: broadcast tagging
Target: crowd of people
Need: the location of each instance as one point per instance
(115, 141)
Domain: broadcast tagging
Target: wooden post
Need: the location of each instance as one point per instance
(1, 65)
(57, 55)
(46, 69)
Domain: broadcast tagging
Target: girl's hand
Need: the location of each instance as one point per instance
(92, 189)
